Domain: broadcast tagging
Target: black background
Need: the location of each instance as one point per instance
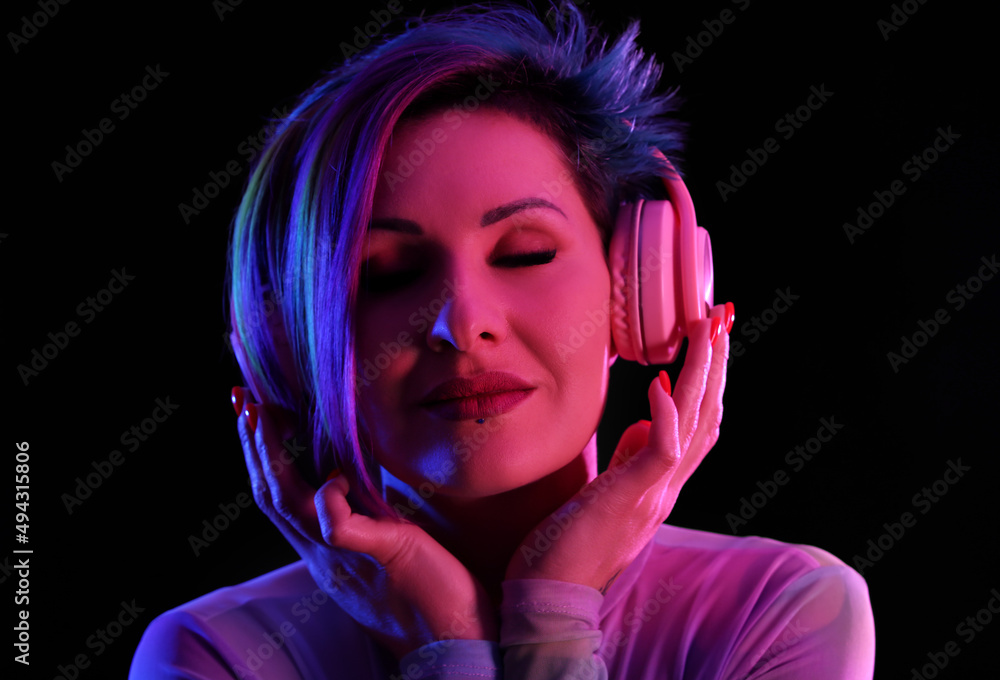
(825, 357)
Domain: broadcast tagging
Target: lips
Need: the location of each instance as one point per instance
(481, 396)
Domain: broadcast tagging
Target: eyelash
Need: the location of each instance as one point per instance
(530, 259)
(383, 283)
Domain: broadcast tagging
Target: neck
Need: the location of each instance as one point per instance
(485, 533)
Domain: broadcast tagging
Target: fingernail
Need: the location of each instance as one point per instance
(251, 414)
(333, 475)
(730, 316)
(716, 326)
(237, 400)
(665, 382)
(648, 423)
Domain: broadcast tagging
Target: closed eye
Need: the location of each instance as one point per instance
(527, 259)
(388, 281)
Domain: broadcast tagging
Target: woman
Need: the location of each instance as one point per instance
(430, 231)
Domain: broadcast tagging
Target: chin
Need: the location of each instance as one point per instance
(494, 477)
(487, 471)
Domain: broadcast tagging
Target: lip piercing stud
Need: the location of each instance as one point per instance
(481, 421)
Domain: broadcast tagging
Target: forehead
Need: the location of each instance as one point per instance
(484, 157)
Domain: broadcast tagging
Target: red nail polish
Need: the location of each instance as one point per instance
(333, 475)
(648, 423)
(730, 316)
(237, 400)
(716, 326)
(251, 414)
(665, 382)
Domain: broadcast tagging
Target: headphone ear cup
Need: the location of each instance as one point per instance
(653, 283)
(647, 320)
(705, 275)
(625, 324)
(659, 282)
(662, 274)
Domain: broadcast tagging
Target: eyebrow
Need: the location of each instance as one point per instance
(508, 209)
(489, 217)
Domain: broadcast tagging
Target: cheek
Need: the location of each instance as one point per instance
(576, 336)
(578, 315)
(385, 354)
(385, 329)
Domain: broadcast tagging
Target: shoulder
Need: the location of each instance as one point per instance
(747, 599)
(275, 625)
(763, 566)
(678, 546)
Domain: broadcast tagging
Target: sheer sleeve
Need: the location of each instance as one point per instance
(452, 660)
(819, 628)
(550, 629)
(709, 606)
(172, 648)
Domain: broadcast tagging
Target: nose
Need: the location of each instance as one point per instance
(470, 313)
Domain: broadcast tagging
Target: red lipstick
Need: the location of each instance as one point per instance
(476, 397)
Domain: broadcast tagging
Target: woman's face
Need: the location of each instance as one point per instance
(482, 258)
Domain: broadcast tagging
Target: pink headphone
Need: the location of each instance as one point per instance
(662, 277)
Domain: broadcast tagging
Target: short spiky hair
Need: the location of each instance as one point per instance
(298, 235)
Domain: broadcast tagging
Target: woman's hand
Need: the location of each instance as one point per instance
(396, 581)
(599, 531)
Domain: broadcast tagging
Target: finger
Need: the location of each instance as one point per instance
(664, 433)
(258, 481)
(637, 477)
(332, 507)
(291, 496)
(666, 462)
(247, 426)
(341, 527)
(691, 382)
(330, 577)
(710, 417)
(635, 438)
